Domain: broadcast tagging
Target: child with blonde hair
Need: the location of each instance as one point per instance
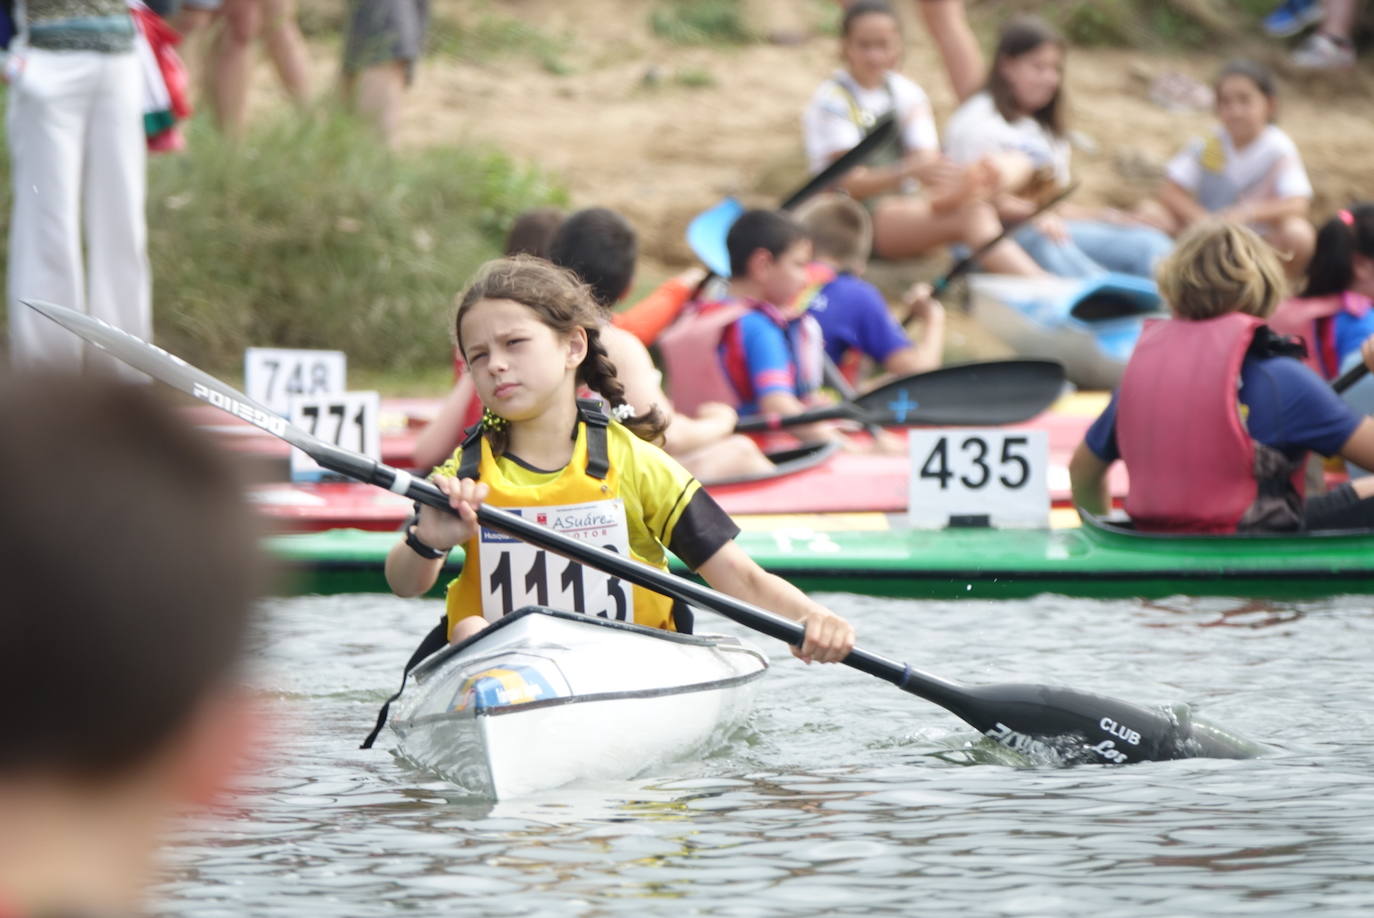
(531, 335)
(1216, 412)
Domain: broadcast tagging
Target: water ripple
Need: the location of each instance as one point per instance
(844, 796)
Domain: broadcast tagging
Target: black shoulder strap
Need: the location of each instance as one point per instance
(436, 639)
(865, 121)
(598, 452)
(469, 463)
(1269, 343)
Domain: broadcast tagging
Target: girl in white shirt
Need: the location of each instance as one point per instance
(1248, 170)
(919, 198)
(1020, 116)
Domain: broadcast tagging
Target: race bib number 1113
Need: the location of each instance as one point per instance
(515, 573)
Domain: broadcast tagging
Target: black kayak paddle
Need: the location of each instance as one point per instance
(992, 393)
(1047, 722)
(1349, 377)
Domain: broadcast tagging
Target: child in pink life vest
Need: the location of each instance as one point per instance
(1216, 412)
(748, 349)
(1333, 313)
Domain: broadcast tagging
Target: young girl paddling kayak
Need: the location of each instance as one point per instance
(530, 334)
(1202, 455)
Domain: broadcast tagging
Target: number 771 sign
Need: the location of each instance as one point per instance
(989, 477)
(346, 419)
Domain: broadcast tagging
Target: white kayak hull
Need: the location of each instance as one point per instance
(543, 698)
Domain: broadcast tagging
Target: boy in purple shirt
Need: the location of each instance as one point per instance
(853, 316)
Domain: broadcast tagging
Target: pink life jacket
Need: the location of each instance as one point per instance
(1312, 319)
(688, 349)
(1179, 428)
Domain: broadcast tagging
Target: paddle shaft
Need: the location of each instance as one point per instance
(1350, 377)
(1012, 714)
(971, 258)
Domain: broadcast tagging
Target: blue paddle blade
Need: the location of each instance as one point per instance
(706, 235)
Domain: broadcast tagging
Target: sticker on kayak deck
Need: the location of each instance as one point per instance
(988, 477)
(514, 573)
(509, 685)
(346, 419)
(272, 375)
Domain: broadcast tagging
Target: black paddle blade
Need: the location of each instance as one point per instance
(1051, 724)
(881, 132)
(970, 394)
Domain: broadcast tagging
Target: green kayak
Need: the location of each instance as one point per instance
(872, 554)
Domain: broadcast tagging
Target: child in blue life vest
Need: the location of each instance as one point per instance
(1248, 171)
(749, 349)
(1204, 456)
(531, 335)
(853, 316)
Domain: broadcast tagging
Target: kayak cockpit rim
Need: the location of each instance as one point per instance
(785, 462)
(1120, 527)
(429, 663)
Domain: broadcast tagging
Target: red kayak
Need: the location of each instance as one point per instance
(809, 481)
(824, 481)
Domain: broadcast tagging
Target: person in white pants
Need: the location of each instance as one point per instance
(78, 159)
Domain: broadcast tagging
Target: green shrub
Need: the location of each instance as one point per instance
(700, 22)
(309, 234)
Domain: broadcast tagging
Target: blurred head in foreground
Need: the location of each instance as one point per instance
(130, 566)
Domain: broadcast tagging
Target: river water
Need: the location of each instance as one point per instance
(844, 796)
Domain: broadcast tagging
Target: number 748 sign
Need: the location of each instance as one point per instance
(993, 477)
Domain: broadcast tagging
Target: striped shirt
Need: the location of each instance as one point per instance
(80, 25)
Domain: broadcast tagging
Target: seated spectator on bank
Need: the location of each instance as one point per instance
(920, 200)
(1247, 170)
(1020, 118)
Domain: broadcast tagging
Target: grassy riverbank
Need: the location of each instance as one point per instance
(308, 234)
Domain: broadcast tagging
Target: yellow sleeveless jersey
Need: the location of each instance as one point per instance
(640, 501)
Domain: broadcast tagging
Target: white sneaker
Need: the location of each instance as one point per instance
(1322, 52)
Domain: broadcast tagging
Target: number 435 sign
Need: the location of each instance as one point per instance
(989, 477)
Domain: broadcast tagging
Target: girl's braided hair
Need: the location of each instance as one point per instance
(562, 302)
